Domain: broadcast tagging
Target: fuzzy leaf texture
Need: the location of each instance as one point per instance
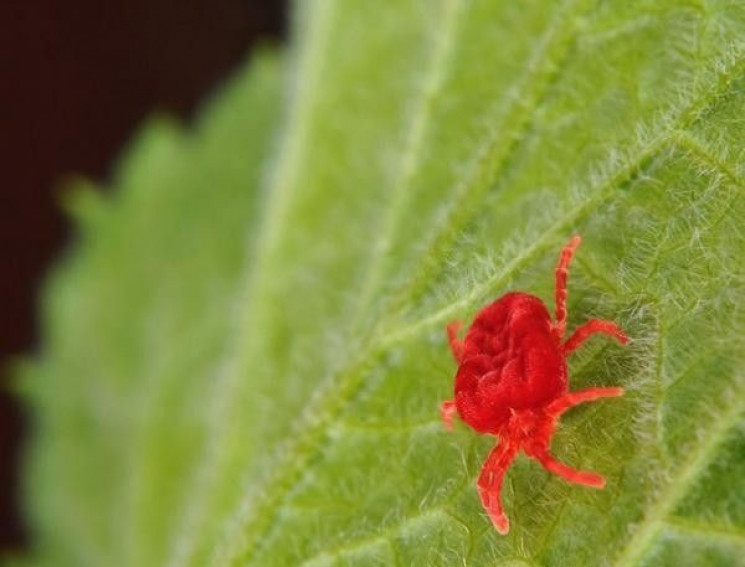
(245, 353)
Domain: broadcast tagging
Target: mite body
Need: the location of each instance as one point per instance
(512, 382)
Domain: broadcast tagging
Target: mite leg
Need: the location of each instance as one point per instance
(562, 404)
(567, 473)
(490, 484)
(562, 273)
(447, 411)
(592, 327)
(456, 345)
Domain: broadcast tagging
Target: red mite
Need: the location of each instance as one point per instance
(512, 381)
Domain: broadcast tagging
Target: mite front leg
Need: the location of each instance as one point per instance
(490, 484)
(562, 274)
(592, 327)
(447, 411)
(456, 345)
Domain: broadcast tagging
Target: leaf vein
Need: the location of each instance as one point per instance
(678, 486)
(723, 532)
(433, 83)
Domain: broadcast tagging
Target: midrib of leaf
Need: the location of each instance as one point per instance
(551, 50)
(318, 15)
(680, 483)
(334, 395)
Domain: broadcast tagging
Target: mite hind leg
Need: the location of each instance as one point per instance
(490, 484)
(447, 412)
(566, 472)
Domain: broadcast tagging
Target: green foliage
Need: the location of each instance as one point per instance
(233, 376)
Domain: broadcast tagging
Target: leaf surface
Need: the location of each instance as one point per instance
(258, 384)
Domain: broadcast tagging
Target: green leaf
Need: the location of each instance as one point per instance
(234, 380)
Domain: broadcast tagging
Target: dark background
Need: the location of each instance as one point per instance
(76, 79)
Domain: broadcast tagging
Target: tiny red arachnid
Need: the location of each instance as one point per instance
(512, 382)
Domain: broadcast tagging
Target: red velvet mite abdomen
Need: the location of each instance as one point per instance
(511, 360)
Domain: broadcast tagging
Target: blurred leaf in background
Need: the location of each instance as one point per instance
(245, 352)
